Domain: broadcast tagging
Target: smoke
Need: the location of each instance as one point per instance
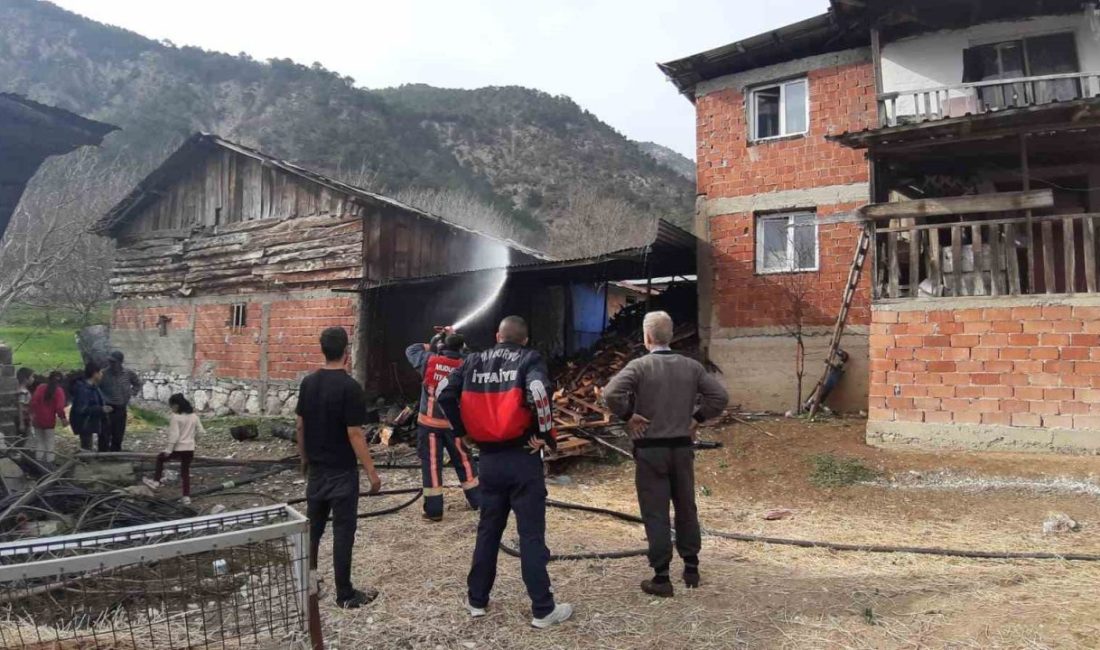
(495, 257)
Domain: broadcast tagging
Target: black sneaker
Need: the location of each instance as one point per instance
(662, 589)
(432, 517)
(691, 577)
(357, 599)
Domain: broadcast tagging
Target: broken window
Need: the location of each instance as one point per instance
(238, 316)
(1027, 57)
(786, 242)
(780, 110)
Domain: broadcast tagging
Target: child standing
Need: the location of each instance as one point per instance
(47, 407)
(182, 429)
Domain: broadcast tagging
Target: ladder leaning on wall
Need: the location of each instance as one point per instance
(854, 274)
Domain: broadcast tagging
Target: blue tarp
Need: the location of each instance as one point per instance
(589, 314)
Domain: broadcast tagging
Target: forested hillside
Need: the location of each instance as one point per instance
(530, 156)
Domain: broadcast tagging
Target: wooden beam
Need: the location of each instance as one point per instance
(992, 202)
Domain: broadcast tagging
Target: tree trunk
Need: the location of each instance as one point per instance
(799, 370)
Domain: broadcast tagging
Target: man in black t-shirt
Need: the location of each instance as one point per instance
(331, 410)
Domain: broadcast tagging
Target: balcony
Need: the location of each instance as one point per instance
(978, 98)
(962, 247)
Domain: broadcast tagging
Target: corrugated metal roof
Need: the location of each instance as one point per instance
(671, 251)
(93, 131)
(200, 144)
(817, 35)
(1067, 115)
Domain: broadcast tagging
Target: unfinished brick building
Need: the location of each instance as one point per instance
(970, 132)
(776, 202)
(229, 263)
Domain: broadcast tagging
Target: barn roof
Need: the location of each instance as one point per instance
(31, 132)
(199, 145)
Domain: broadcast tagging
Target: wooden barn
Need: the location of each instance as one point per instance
(228, 264)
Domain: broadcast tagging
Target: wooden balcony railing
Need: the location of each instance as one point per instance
(987, 257)
(912, 106)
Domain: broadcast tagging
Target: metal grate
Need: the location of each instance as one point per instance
(233, 580)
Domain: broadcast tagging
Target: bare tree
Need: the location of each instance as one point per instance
(593, 224)
(797, 311)
(84, 287)
(465, 209)
(47, 238)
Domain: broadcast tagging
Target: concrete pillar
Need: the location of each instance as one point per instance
(9, 412)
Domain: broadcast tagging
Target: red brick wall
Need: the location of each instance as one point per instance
(228, 353)
(294, 328)
(294, 325)
(743, 298)
(138, 318)
(1030, 366)
(841, 98)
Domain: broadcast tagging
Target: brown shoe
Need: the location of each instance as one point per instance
(660, 589)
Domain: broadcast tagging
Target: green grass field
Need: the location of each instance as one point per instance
(42, 349)
(43, 340)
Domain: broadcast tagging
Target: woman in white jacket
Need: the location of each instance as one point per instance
(182, 430)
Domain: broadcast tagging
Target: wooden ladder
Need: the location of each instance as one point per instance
(854, 274)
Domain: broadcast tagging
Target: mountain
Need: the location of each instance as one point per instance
(524, 152)
(675, 161)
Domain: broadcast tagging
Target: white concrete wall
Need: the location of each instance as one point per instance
(936, 59)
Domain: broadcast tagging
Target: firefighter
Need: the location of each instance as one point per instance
(500, 399)
(435, 361)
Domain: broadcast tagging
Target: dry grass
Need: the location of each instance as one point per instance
(754, 596)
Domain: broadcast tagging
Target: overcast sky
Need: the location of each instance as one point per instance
(599, 52)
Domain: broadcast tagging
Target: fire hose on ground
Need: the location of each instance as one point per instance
(635, 519)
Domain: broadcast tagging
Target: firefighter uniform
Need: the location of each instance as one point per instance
(500, 398)
(434, 432)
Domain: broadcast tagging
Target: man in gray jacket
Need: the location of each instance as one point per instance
(662, 397)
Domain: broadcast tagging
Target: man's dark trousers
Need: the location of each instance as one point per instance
(511, 479)
(113, 429)
(664, 471)
(334, 491)
(430, 444)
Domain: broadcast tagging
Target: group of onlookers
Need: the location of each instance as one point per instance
(99, 399)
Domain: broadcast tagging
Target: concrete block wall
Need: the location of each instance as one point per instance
(740, 309)
(1011, 373)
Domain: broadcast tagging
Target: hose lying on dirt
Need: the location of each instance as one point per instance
(252, 478)
(801, 543)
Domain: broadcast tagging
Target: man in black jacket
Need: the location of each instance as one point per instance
(500, 399)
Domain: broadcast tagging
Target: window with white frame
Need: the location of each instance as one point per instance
(786, 242)
(780, 109)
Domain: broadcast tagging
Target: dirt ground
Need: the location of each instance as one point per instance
(754, 595)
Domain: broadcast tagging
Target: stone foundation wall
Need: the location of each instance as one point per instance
(222, 397)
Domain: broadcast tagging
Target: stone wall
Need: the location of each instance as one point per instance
(738, 180)
(1019, 373)
(222, 396)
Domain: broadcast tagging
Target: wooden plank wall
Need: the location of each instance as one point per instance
(231, 224)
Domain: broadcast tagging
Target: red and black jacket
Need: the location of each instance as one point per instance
(499, 398)
(434, 367)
